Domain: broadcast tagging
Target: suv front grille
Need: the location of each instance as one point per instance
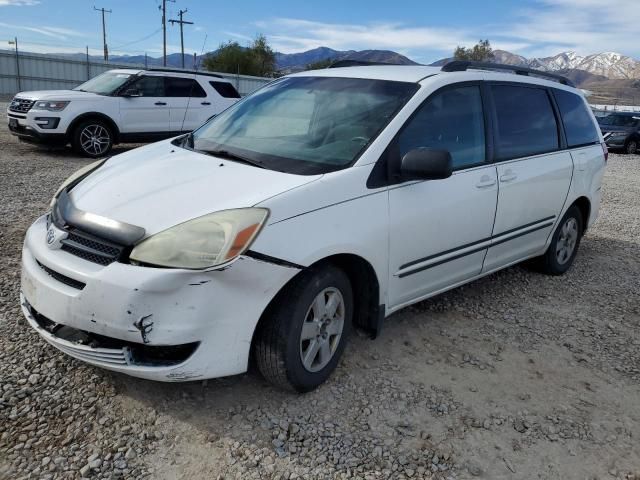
(21, 105)
(91, 248)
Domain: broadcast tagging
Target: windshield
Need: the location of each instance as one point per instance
(104, 84)
(305, 125)
(619, 120)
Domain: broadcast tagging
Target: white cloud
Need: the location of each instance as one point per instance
(18, 3)
(50, 32)
(293, 35)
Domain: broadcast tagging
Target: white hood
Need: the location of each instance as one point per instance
(57, 95)
(161, 185)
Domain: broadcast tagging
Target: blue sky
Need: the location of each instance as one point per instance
(425, 30)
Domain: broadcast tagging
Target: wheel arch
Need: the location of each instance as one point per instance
(368, 312)
(94, 115)
(584, 205)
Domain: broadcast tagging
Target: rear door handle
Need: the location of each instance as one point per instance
(508, 176)
(486, 181)
(205, 103)
(160, 103)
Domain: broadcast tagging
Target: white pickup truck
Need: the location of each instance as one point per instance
(120, 106)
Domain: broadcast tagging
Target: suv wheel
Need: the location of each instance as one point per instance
(305, 332)
(632, 147)
(564, 244)
(92, 138)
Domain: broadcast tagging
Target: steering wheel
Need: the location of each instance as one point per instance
(360, 139)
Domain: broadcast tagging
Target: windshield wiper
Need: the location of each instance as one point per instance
(234, 157)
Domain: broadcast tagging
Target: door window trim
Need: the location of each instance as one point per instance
(562, 142)
(382, 173)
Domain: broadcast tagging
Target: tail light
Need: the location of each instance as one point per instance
(605, 150)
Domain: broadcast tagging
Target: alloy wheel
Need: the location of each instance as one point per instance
(567, 240)
(322, 329)
(95, 139)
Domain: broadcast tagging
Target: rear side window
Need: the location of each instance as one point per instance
(183, 87)
(448, 120)
(578, 125)
(149, 86)
(526, 124)
(225, 89)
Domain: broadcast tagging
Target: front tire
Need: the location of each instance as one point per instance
(632, 147)
(304, 333)
(564, 244)
(92, 138)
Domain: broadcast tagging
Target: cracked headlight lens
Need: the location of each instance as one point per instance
(204, 242)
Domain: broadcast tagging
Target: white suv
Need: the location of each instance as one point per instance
(120, 106)
(326, 199)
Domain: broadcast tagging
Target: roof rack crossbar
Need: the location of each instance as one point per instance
(464, 65)
(180, 70)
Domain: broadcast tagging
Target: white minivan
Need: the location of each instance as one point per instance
(325, 200)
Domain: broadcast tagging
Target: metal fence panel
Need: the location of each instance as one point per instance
(46, 72)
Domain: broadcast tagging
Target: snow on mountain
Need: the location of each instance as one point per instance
(608, 64)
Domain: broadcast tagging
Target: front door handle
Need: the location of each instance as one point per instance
(205, 103)
(160, 103)
(486, 181)
(508, 176)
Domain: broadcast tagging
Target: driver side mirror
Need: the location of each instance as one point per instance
(132, 92)
(426, 164)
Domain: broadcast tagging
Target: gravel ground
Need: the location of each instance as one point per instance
(517, 376)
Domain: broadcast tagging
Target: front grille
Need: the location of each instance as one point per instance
(91, 248)
(62, 278)
(21, 105)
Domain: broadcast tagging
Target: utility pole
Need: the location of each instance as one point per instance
(164, 31)
(104, 32)
(181, 22)
(15, 42)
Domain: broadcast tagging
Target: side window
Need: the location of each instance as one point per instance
(183, 87)
(225, 89)
(150, 86)
(526, 123)
(578, 125)
(449, 120)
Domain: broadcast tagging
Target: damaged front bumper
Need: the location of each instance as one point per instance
(134, 319)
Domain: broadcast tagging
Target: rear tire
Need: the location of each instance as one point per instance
(632, 147)
(564, 244)
(304, 333)
(92, 138)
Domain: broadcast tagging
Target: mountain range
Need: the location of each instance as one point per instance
(611, 77)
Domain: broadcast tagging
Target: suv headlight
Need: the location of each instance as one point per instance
(52, 106)
(204, 242)
(76, 176)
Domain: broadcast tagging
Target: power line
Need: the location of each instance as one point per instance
(181, 22)
(104, 32)
(139, 40)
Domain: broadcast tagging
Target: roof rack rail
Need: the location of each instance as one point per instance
(180, 70)
(356, 63)
(464, 65)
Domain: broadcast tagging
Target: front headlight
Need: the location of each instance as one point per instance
(619, 134)
(83, 172)
(203, 242)
(52, 106)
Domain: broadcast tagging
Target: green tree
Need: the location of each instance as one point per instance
(480, 52)
(257, 59)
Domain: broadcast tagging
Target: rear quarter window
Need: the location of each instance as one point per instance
(225, 89)
(183, 87)
(526, 124)
(579, 128)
